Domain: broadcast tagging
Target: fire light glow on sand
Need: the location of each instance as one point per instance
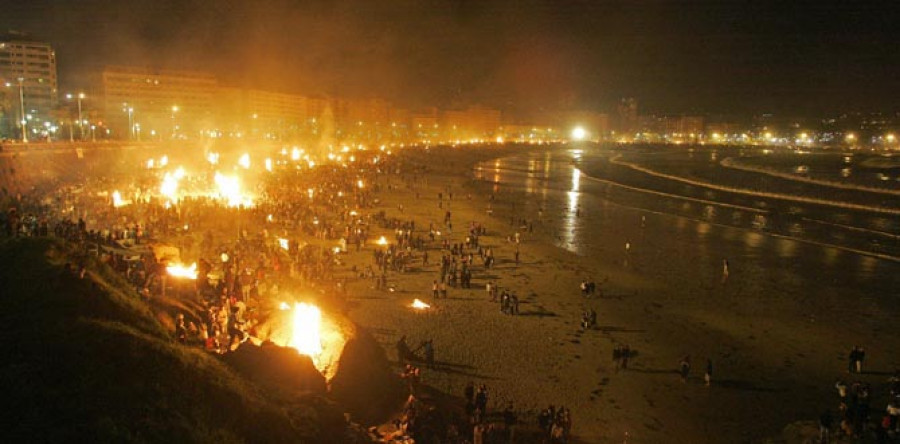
(284, 244)
(381, 241)
(179, 270)
(306, 329)
(244, 161)
(419, 305)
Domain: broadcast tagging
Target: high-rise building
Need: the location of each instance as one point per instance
(27, 83)
(628, 122)
(142, 103)
(474, 122)
(260, 114)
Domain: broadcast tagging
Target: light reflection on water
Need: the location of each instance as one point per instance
(552, 174)
(753, 239)
(786, 248)
(703, 229)
(571, 219)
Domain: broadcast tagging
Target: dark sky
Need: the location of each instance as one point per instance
(717, 56)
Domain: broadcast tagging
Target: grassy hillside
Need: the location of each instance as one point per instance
(84, 360)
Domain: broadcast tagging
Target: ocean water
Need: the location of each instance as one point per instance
(680, 212)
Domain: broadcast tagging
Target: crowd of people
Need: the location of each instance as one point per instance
(855, 418)
(246, 255)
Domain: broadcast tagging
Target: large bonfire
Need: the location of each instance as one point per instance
(305, 328)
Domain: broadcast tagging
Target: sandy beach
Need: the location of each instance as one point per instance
(775, 356)
(778, 331)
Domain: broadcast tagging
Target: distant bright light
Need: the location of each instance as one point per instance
(578, 133)
(244, 161)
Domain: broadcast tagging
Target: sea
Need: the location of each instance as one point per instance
(809, 218)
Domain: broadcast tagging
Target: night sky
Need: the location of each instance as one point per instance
(721, 56)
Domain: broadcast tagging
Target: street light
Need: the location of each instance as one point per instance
(130, 111)
(24, 121)
(79, 96)
(174, 124)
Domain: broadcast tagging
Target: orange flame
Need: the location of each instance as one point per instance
(179, 270)
(419, 305)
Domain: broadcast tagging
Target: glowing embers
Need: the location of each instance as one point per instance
(419, 305)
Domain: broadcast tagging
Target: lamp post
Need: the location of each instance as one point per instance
(80, 121)
(22, 110)
(79, 97)
(130, 111)
(174, 123)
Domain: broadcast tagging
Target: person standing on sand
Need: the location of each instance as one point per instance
(434, 289)
(724, 270)
(708, 375)
(825, 423)
(617, 357)
(860, 356)
(841, 387)
(429, 353)
(403, 351)
(685, 368)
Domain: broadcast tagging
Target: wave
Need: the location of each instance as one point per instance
(754, 193)
(733, 164)
(883, 256)
(671, 195)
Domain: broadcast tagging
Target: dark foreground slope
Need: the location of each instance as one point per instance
(83, 360)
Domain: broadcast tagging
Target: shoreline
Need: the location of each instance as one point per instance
(777, 367)
(550, 310)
